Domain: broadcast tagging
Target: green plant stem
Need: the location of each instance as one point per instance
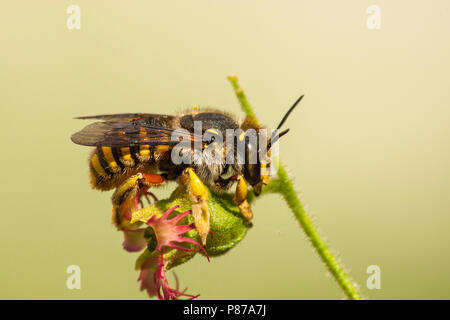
(285, 187)
(243, 99)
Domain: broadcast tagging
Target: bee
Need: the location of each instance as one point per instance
(135, 151)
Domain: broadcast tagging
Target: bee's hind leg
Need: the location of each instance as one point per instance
(240, 195)
(128, 195)
(240, 198)
(198, 195)
(125, 203)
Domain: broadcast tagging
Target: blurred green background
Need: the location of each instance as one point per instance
(369, 146)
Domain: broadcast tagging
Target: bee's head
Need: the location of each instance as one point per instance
(259, 173)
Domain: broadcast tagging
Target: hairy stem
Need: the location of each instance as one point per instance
(285, 187)
(242, 99)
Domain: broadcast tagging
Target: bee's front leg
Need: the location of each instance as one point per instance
(240, 198)
(198, 194)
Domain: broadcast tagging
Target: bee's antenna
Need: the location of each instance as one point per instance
(289, 111)
(275, 139)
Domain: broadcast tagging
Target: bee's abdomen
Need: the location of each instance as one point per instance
(109, 167)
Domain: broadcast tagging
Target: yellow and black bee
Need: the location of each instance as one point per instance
(134, 151)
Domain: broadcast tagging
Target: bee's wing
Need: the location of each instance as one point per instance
(128, 117)
(123, 130)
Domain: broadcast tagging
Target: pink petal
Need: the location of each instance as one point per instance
(175, 246)
(168, 212)
(146, 278)
(134, 240)
(162, 285)
(183, 228)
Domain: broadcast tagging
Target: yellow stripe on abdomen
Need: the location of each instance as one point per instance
(95, 162)
(126, 157)
(162, 148)
(144, 151)
(107, 153)
(159, 150)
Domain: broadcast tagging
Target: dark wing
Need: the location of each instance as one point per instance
(129, 117)
(123, 130)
